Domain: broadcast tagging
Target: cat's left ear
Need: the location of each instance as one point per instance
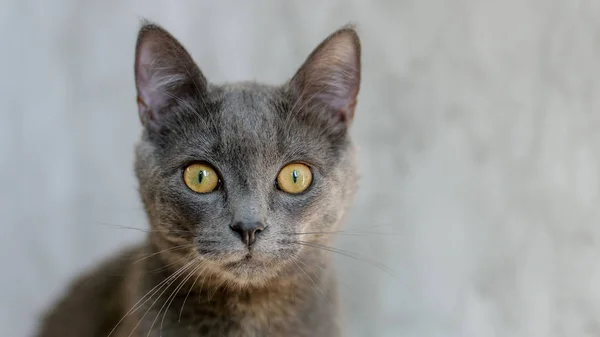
(165, 75)
(330, 76)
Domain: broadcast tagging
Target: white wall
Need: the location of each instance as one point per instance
(478, 124)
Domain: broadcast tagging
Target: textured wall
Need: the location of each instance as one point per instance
(478, 125)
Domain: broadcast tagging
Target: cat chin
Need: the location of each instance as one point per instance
(244, 277)
(250, 271)
(248, 279)
(242, 271)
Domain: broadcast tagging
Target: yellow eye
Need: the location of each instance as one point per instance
(200, 178)
(294, 178)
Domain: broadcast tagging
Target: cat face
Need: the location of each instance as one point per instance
(245, 178)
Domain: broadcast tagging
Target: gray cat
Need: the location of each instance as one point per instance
(243, 185)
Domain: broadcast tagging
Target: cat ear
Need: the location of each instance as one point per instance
(331, 74)
(165, 74)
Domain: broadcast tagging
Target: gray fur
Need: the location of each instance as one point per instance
(247, 132)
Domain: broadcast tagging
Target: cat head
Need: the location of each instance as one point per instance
(244, 178)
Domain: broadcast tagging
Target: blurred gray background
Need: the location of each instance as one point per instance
(478, 124)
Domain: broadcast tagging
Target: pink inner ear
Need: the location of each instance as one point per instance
(143, 62)
(331, 74)
(164, 71)
(157, 76)
(146, 88)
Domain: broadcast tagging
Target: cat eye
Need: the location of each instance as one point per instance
(200, 178)
(294, 178)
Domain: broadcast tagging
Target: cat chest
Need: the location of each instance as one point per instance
(209, 323)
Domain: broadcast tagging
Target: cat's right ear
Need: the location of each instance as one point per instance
(165, 75)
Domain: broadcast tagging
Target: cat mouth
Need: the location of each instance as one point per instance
(247, 260)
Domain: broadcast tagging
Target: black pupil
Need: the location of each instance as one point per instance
(200, 176)
(295, 176)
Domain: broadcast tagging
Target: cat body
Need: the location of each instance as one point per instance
(244, 185)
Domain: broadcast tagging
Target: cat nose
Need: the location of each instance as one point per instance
(248, 231)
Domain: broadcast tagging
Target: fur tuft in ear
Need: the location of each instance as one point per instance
(331, 74)
(165, 74)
